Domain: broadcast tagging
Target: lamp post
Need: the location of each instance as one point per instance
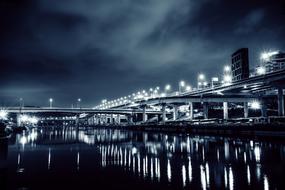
(50, 102)
(167, 88)
(78, 102)
(227, 75)
(201, 78)
(181, 85)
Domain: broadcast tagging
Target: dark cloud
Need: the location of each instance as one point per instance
(96, 49)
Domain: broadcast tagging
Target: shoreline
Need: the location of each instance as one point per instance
(257, 130)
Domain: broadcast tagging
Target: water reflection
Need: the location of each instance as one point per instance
(182, 161)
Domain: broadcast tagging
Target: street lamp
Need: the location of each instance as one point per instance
(188, 88)
(181, 85)
(78, 102)
(261, 70)
(50, 102)
(201, 78)
(167, 88)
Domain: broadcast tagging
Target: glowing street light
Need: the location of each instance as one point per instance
(3, 114)
(265, 56)
(78, 102)
(255, 105)
(167, 87)
(227, 68)
(181, 85)
(261, 70)
(188, 88)
(227, 79)
(50, 102)
(201, 79)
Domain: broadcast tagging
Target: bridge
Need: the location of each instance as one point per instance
(244, 92)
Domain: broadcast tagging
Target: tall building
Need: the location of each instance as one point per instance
(275, 61)
(240, 65)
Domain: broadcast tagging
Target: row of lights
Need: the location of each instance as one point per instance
(153, 93)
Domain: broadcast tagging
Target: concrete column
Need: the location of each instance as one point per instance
(118, 119)
(226, 110)
(280, 102)
(263, 108)
(130, 119)
(144, 114)
(191, 110)
(175, 112)
(77, 120)
(245, 109)
(112, 119)
(18, 119)
(163, 112)
(205, 110)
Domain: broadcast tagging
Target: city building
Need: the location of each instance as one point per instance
(275, 62)
(240, 65)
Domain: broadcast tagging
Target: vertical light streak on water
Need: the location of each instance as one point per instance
(231, 179)
(226, 177)
(151, 168)
(78, 161)
(227, 150)
(139, 165)
(134, 164)
(265, 183)
(189, 170)
(203, 177)
(49, 158)
(257, 153)
(248, 175)
(168, 171)
(207, 175)
(19, 159)
(218, 155)
(184, 175)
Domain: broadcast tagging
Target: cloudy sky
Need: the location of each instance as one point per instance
(95, 49)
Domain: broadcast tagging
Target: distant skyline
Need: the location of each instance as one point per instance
(97, 49)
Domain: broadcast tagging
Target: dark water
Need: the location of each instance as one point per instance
(117, 159)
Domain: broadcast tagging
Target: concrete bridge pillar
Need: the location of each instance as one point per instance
(175, 112)
(112, 119)
(191, 110)
(281, 111)
(226, 110)
(163, 112)
(263, 108)
(77, 120)
(144, 114)
(18, 119)
(245, 109)
(118, 119)
(206, 110)
(130, 119)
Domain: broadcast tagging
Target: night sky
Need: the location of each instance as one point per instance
(95, 49)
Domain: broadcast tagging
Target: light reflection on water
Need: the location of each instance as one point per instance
(167, 160)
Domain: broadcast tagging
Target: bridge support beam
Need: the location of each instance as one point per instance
(263, 108)
(245, 109)
(163, 112)
(206, 110)
(226, 110)
(280, 102)
(144, 114)
(191, 110)
(175, 112)
(118, 119)
(111, 119)
(18, 119)
(77, 120)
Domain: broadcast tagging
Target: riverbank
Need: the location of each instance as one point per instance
(262, 130)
